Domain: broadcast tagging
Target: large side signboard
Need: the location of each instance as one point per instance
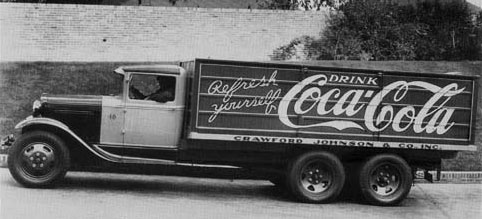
(296, 104)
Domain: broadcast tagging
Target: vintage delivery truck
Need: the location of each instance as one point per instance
(312, 127)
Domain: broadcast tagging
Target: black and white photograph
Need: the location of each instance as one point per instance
(240, 109)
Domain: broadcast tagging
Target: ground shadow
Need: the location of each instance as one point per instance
(188, 187)
(176, 186)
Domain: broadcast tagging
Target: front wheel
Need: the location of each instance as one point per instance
(385, 179)
(38, 159)
(316, 177)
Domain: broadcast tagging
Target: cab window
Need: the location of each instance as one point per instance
(152, 87)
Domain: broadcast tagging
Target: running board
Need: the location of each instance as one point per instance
(131, 160)
(139, 160)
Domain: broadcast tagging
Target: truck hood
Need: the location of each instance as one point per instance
(80, 113)
(72, 99)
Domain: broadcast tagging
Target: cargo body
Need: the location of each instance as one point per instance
(312, 130)
(293, 104)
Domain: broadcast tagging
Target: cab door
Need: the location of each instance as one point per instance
(151, 124)
(112, 122)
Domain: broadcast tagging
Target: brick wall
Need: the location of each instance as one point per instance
(61, 32)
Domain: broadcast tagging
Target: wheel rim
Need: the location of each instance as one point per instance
(316, 178)
(385, 179)
(37, 160)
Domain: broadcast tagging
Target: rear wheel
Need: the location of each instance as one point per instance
(38, 159)
(316, 177)
(385, 179)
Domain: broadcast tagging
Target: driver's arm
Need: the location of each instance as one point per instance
(162, 97)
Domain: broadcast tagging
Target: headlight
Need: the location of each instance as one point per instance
(36, 105)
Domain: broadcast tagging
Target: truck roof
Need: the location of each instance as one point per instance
(169, 69)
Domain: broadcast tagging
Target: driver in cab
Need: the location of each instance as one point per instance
(164, 94)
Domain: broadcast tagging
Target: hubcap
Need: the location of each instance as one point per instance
(315, 178)
(385, 180)
(38, 159)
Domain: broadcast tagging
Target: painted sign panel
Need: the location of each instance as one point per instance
(302, 102)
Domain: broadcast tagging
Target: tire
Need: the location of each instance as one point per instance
(316, 177)
(385, 180)
(38, 159)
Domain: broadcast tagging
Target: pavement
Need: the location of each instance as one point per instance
(102, 195)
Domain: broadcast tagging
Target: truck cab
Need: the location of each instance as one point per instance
(144, 122)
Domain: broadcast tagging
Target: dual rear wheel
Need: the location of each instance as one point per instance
(319, 177)
(385, 179)
(316, 177)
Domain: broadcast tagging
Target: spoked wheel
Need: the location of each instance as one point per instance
(38, 159)
(385, 179)
(316, 177)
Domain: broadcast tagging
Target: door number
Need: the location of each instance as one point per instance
(112, 116)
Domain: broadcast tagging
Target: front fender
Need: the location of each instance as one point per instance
(29, 121)
(43, 121)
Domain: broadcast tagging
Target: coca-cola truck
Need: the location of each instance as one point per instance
(310, 127)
